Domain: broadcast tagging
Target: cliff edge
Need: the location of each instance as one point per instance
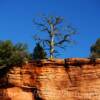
(59, 79)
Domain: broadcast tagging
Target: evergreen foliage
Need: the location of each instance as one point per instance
(95, 49)
(39, 52)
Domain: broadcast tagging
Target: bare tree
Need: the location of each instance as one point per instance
(57, 34)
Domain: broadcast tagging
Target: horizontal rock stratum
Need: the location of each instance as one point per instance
(59, 79)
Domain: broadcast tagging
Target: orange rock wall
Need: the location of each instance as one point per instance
(69, 79)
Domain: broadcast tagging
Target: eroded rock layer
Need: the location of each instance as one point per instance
(68, 79)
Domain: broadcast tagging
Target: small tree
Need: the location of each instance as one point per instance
(57, 35)
(95, 49)
(39, 52)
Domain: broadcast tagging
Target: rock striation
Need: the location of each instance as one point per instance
(59, 79)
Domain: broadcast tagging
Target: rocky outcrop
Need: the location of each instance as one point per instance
(68, 79)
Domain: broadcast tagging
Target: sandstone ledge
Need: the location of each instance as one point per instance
(67, 61)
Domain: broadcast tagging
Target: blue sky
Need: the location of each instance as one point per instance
(16, 21)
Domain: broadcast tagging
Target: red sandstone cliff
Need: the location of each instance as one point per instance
(69, 79)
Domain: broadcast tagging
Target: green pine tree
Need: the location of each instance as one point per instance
(39, 52)
(95, 49)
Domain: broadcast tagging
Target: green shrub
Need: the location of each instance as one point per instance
(12, 55)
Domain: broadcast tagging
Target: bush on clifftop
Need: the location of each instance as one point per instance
(12, 55)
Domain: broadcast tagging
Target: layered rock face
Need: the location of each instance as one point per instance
(66, 79)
